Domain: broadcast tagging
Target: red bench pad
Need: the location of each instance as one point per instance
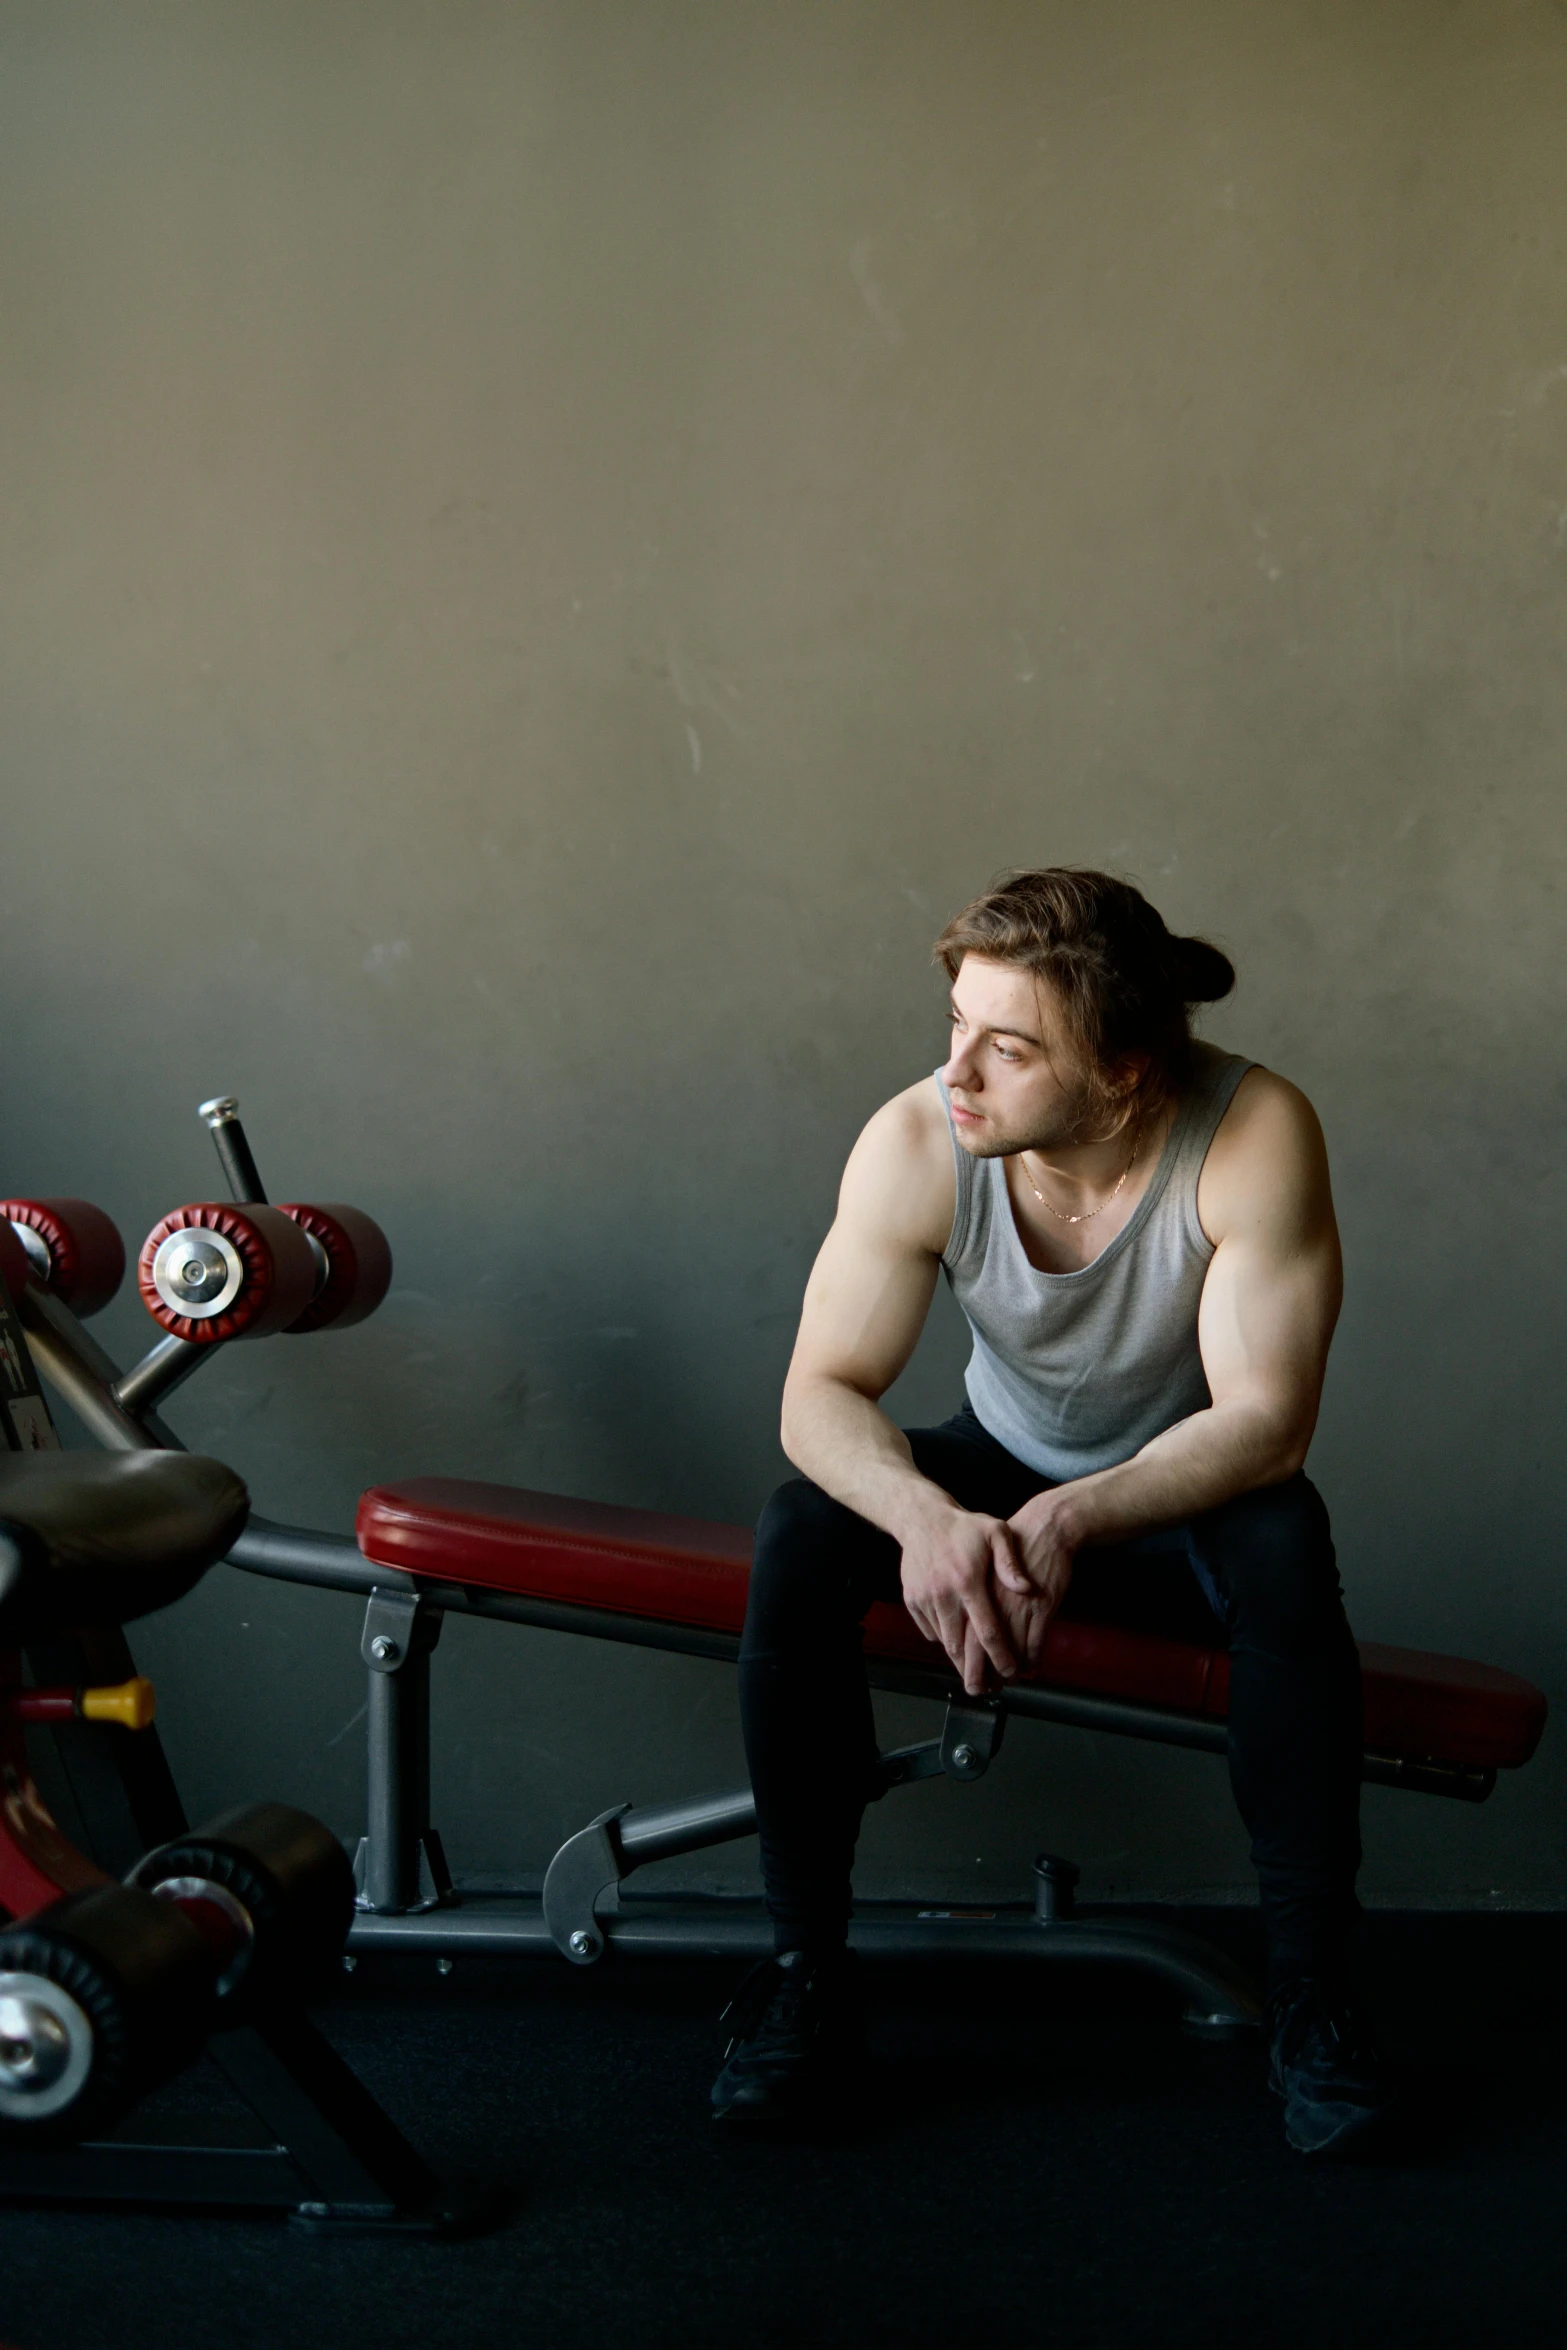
(692, 1571)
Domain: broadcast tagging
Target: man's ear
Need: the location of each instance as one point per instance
(1127, 1080)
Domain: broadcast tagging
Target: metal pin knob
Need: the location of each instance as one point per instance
(384, 1649)
(582, 1943)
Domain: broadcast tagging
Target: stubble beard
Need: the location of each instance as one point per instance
(1072, 1123)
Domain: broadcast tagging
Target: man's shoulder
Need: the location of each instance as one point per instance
(915, 1119)
(899, 1178)
(1269, 1147)
(1266, 1110)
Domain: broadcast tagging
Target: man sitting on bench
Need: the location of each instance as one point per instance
(1139, 1229)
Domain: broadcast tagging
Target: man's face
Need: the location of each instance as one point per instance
(1014, 1081)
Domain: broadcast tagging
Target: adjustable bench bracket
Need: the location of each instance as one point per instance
(971, 1735)
(591, 1864)
(583, 1871)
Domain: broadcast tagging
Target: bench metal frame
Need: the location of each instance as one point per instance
(409, 1904)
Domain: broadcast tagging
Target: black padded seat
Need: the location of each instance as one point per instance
(93, 1538)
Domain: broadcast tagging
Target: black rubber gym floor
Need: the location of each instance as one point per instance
(1049, 2158)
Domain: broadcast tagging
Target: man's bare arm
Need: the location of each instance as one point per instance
(865, 1305)
(1268, 1310)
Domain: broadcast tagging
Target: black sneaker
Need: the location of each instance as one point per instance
(796, 2032)
(1336, 2095)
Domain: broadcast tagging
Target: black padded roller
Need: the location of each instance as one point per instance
(292, 1880)
(102, 1995)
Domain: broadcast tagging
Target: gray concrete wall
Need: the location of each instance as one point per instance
(544, 548)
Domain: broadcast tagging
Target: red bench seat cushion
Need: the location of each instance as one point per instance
(692, 1571)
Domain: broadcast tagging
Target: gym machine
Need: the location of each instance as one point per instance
(112, 1984)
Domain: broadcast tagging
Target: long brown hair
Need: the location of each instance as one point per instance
(1125, 983)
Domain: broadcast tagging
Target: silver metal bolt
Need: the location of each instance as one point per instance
(35, 2049)
(443, 1966)
(384, 1650)
(582, 1944)
(349, 1965)
(963, 1758)
(197, 1271)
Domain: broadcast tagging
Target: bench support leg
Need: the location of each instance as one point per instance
(400, 1865)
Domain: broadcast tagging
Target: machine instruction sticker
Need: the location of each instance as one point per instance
(26, 1425)
(33, 1426)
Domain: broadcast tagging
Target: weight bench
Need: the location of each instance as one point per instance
(436, 1546)
(433, 1546)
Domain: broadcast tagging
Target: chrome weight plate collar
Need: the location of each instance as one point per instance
(198, 1273)
(46, 2048)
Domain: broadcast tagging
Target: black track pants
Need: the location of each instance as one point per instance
(1263, 1566)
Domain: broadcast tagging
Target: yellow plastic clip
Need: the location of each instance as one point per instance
(132, 1704)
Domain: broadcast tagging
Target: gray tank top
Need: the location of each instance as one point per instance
(1073, 1372)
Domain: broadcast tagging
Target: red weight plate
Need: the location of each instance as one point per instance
(86, 1253)
(358, 1265)
(279, 1272)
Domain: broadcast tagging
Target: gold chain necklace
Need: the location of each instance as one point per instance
(1088, 1214)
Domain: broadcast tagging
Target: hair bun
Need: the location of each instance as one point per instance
(1202, 974)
